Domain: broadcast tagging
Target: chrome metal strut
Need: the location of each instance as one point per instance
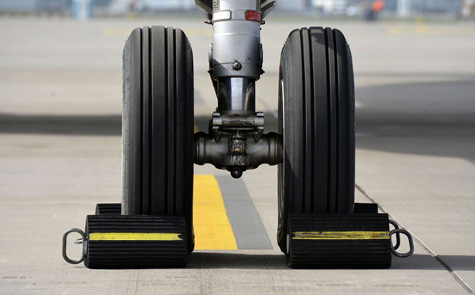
(236, 141)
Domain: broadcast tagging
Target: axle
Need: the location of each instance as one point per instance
(237, 143)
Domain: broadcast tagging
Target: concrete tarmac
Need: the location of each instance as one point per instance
(60, 154)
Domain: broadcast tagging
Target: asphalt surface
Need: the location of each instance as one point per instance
(60, 154)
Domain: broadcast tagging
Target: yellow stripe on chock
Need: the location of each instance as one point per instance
(135, 237)
(213, 230)
(341, 235)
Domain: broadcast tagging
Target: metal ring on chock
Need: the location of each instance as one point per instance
(65, 241)
(398, 236)
(411, 243)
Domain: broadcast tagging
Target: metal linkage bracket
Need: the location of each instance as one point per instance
(231, 122)
(237, 152)
(237, 143)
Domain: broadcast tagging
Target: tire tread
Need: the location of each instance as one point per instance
(317, 175)
(158, 124)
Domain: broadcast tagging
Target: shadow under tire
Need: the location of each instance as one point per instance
(158, 125)
(316, 118)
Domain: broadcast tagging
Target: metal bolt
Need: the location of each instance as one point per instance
(236, 173)
(237, 66)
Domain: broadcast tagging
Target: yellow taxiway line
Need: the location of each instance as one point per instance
(213, 230)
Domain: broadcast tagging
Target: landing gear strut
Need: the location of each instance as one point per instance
(319, 225)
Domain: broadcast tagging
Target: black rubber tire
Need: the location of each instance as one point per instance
(158, 125)
(316, 118)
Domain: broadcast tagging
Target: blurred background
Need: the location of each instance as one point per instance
(341, 8)
(60, 128)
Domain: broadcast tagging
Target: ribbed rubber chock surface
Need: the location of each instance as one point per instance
(365, 208)
(338, 241)
(108, 209)
(129, 241)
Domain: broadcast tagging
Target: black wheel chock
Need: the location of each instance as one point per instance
(358, 240)
(108, 209)
(128, 241)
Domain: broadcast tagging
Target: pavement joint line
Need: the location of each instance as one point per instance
(422, 244)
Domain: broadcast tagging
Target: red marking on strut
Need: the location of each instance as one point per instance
(253, 15)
